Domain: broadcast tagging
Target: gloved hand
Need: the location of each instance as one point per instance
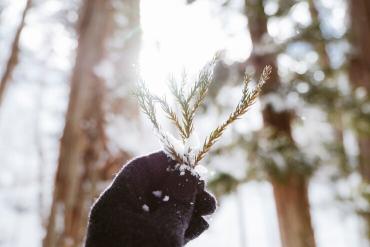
(149, 204)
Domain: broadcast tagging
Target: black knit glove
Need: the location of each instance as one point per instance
(150, 204)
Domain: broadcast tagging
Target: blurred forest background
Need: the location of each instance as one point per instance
(294, 172)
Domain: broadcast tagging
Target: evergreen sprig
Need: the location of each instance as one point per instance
(189, 104)
(147, 104)
(178, 93)
(170, 113)
(247, 99)
(200, 88)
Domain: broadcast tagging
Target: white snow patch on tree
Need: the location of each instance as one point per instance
(157, 193)
(202, 171)
(186, 150)
(281, 102)
(145, 208)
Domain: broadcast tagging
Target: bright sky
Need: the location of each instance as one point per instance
(180, 37)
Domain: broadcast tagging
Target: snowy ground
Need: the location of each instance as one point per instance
(333, 226)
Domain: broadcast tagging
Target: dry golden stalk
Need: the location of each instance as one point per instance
(170, 150)
(178, 93)
(146, 102)
(200, 88)
(204, 79)
(189, 104)
(171, 115)
(248, 98)
(198, 91)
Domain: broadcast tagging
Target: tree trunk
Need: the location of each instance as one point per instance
(293, 210)
(83, 148)
(13, 57)
(360, 69)
(320, 45)
(360, 38)
(359, 73)
(291, 196)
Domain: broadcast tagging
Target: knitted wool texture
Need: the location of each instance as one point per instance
(150, 204)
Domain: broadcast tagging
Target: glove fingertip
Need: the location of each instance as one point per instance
(205, 203)
(196, 227)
